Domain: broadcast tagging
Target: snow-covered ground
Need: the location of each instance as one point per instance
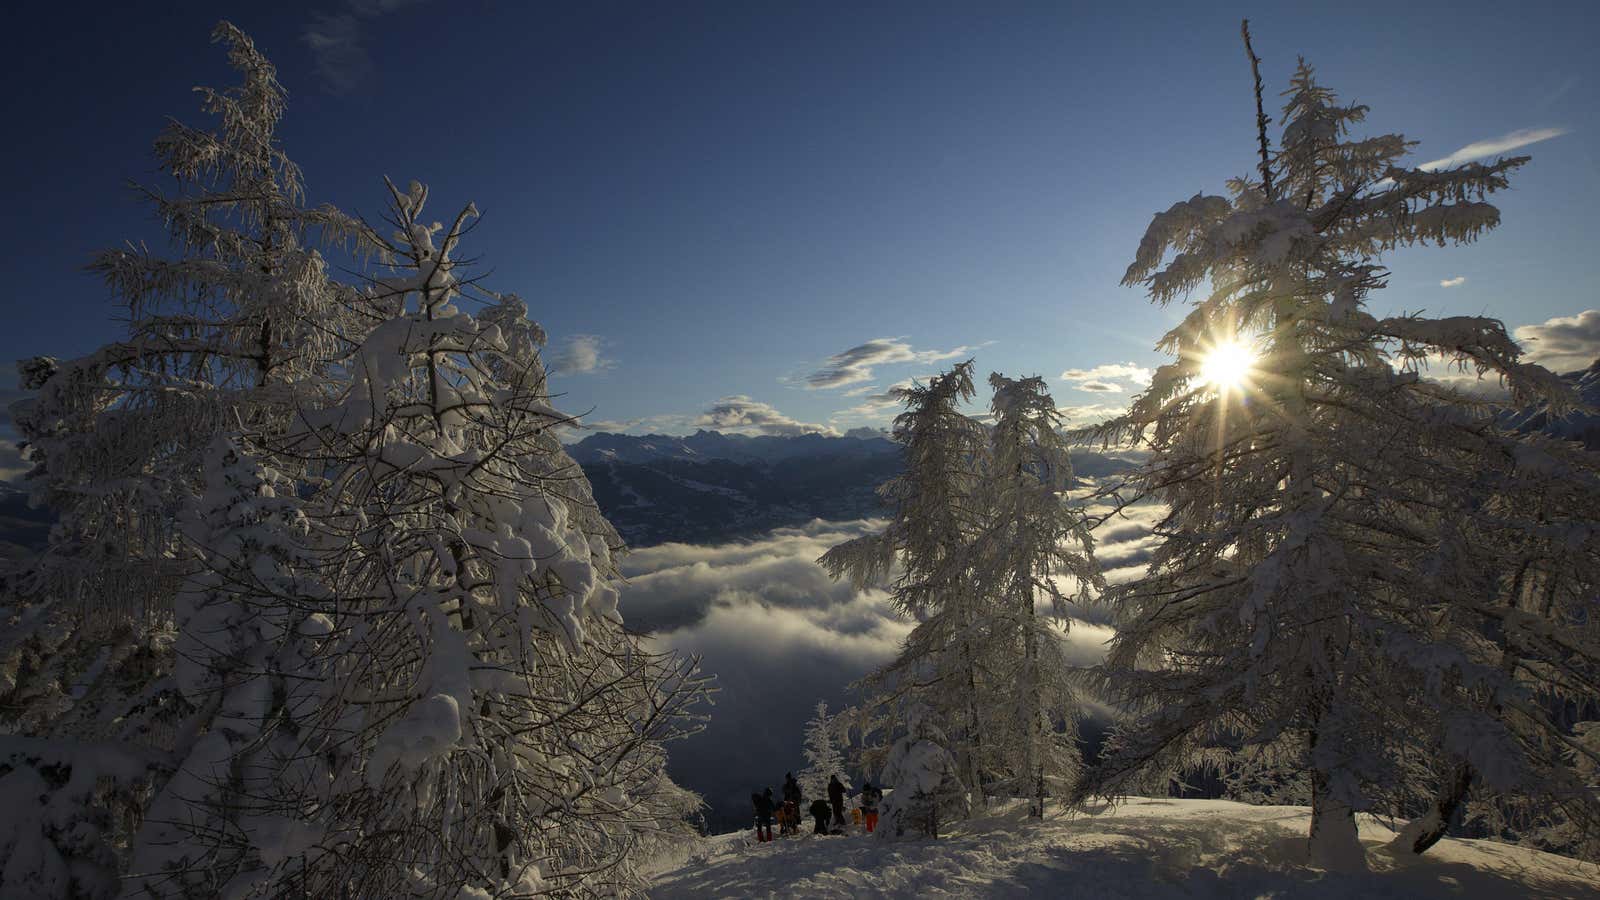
(1143, 848)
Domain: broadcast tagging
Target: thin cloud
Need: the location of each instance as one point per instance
(580, 356)
(1564, 343)
(855, 365)
(1089, 414)
(1493, 147)
(742, 414)
(1457, 281)
(337, 39)
(876, 407)
(1107, 378)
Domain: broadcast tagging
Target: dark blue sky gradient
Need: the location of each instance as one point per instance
(726, 194)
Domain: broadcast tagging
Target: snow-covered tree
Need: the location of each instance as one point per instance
(467, 712)
(1291, 607)
(237, 328)
(250, 621)
(370, 601)
(1517, 573)
(1033, 546)
(925, 788)
(823, 759)
(935, 519)
(232, 329)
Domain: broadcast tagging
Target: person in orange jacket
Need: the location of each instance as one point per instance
(870, 796)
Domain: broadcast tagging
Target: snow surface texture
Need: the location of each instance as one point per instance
(1142, 848)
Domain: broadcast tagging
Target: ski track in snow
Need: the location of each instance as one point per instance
(1142, 848)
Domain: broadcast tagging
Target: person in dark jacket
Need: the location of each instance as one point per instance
(836, 797)
(820, 812)
(764, 805)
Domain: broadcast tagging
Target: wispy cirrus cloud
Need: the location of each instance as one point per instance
(1505, 143)
(1107, 378)
(876, 405)
(856, 365)
(1457, 281)
(742, 414)
(337, 38)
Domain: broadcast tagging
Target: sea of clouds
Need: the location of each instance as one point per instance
(780, 635)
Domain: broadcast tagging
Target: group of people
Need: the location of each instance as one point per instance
(828, 813)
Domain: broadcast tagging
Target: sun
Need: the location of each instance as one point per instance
(1227, 365)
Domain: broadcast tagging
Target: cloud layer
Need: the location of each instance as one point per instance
(855, 365)
(1563, 344)
(780, 635)
(740, 413)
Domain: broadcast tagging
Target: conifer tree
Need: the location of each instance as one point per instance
(823, 760)
(467, 712)
(1032, 545)
(1289, 608)
(927, 789)
(379, 651)
(930, 535)
(238, 327)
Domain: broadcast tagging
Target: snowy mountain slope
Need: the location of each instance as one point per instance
(1579, 426)
(709, 445)
(1143, 848)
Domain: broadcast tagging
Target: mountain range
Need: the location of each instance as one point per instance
(712, 486)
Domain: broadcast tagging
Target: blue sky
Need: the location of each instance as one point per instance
(713, 199)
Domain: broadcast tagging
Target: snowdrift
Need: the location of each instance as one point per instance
(1142, 848)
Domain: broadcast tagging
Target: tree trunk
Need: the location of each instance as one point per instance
(1335, 844)
(1035, 736)
(1426, 830)
(975, 745)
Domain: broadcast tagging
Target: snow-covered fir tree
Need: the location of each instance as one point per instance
(1292, 609)
(473, 717)
(1517, 571)
(823, 759)
(925, 785)
(929, 536)
(1033, 547)
(382, 655)
(432, 632)
(237, 327)
(249, 624)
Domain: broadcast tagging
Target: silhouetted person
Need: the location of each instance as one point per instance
(836, 797)
(820, 812)
(764, 805)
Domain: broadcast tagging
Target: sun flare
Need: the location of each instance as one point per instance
(1227, 365)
